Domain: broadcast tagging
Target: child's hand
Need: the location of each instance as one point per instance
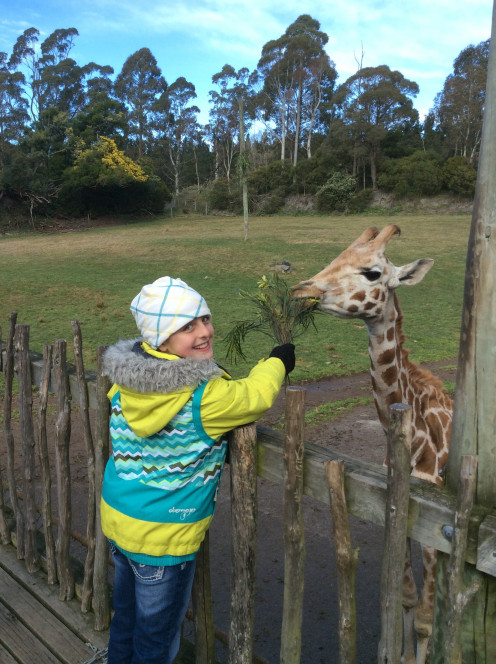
(286, 353)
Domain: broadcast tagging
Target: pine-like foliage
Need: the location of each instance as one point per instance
(276, 313)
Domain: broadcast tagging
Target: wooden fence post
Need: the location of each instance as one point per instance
(46, 479)
(62, 441)
(9, 436)
(202, 606)
(474, 415)
(347, 561)
(87, 592)
(4, 528)
(243, 465)
(395, 533)
(453, 595)
(458, 595)
(294, 536)
(101, 600)
(27, 444)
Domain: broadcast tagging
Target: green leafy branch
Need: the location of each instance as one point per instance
(277, 314)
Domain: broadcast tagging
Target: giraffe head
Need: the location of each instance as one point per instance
(359, 282)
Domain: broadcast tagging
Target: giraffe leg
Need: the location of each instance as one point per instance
(410, 599)
(424, 611)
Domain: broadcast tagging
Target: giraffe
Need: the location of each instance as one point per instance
(361, 283)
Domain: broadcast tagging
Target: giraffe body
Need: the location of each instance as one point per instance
(361, 283)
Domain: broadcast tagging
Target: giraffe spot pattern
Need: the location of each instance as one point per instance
(387, 357)
(390, 375)
(360, 296)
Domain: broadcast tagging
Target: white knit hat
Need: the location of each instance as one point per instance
(164, 307)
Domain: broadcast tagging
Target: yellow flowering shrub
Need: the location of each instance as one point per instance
(114, 165)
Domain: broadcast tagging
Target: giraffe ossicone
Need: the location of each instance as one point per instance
(361, 283)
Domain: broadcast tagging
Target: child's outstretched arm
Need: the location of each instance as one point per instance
(227, 404)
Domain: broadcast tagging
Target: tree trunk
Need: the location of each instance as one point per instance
(298, 123)
(242, 158)
(283, 131)
(373, 166)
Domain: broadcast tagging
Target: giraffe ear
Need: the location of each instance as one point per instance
(413, 273)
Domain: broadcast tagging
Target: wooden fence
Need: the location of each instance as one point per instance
(405, 506)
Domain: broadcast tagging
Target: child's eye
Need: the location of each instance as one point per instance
(205, 319)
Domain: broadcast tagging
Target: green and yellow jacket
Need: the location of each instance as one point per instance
(167, 423)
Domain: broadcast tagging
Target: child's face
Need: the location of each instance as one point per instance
(192, 340)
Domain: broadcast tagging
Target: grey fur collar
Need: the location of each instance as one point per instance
(152, 374)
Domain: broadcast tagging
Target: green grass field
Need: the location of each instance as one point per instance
(93, 275)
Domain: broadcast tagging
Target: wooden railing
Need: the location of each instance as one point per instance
(346, 484)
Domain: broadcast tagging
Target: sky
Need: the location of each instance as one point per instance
(196, 38)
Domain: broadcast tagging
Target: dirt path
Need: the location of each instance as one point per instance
(356, 432)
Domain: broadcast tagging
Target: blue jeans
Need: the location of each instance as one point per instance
(150, 604)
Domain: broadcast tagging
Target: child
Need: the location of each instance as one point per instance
(171, 405)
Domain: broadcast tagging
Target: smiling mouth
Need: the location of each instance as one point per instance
(203, 346)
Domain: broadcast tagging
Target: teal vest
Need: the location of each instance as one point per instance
(171, 477)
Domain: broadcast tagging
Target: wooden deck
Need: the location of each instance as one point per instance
(36, 627)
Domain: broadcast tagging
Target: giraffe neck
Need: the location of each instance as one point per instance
(387, 362)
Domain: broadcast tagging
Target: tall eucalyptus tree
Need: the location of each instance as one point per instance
(291, 70)
(373, 102)
(176, 123)
(226, 103)
(13, 106)
(139, 85)
(55, 89)
(459, 108)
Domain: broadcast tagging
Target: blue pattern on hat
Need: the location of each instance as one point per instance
(164, 307)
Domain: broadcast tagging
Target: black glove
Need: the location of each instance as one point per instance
(286, 353)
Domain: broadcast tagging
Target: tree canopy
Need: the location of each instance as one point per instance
(74, 133)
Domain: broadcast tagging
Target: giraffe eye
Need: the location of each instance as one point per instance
(371, 275)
